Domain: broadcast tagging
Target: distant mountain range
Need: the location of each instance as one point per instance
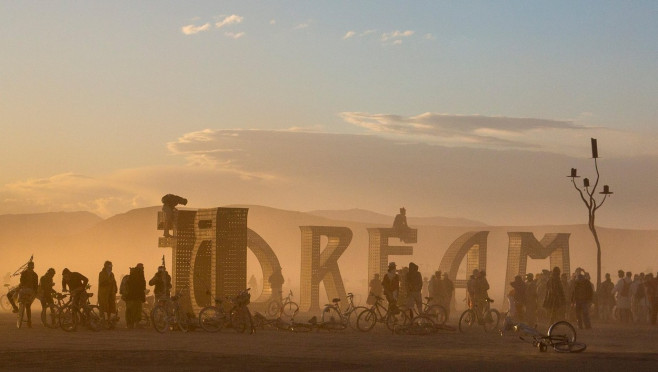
(82, 241)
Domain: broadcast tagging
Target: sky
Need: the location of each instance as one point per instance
(473, 109)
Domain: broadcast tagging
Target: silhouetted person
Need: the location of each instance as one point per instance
(554, 300)
(605, 298)
(623, 291)
(519, 297)
(651, 286)
(375, 289)
(276, 283)
(414, 285)
(391, 285)
(27, 291)
(47, 289)
(76, 283)
(400, 225)
(162, 282)
(446, 289)
(253, 283)
(135, 295)
(169, 203)
(107, 291)
(481, 291)
(530, 299)
(581, 300)
(433, 288)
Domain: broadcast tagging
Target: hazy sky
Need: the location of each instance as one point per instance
(462, 108)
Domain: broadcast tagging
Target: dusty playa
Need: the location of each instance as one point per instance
(38, 349)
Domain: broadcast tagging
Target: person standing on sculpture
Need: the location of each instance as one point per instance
(28, 287)
(107, 292)
(135, 295)
(391, 285)
(169, 203)
(554, 301)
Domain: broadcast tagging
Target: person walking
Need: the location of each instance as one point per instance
(581, 300)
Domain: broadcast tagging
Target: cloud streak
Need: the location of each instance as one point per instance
(229, 20)
(193, 30)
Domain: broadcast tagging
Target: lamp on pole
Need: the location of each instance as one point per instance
(587, 195)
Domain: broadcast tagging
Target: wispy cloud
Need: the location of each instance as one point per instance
(349, 34)
(396, 37)
(229, 20)
(234, 35)
(192, 29)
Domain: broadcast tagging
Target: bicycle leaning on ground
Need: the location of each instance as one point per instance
(488, 318)
(561, 336)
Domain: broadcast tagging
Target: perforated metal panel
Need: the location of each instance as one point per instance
(322, 266)
(472, 246)
(379, 250)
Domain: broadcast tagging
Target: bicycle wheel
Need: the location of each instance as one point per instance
(273, 308)
(569, 347)
(237, 321)
(211, 319)
(50, 316)
(438, 314)
(68, 319)
(160, 319)
(491, 320)
(93, 318)
(422, 325)
(180, 317)
(144, 321)
(4, 303)
(562, 330)
(467, 320)
(21, 314)
(396, 320)
(366, 320)
(353, 315)
(290, 308)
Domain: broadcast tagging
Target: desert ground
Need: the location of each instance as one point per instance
(609, 347)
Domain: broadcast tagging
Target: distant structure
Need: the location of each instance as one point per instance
(472, 246)
(321, 266)
(379, 250)
(209, 252)
(524, 244)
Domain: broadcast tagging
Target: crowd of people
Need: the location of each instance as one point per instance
(552, 295)
(132, 290)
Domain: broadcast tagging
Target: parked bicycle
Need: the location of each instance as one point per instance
(333, 316)
(81, 313)
(169, 313)
(436, 312)
(50, 313)
(241, 318)
(379, 313)
(488, 318)
(277, 307)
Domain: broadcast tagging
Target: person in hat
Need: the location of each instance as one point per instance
(391, 285)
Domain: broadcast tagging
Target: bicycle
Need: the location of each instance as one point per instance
(488, 318)
(561, 336)
(378, 313)
(239, 313)
(281, 307)
(4, 299)
(332, 316)
(50, 313)
(213, 318)
(86, 314)
(168, 313)
(436, 312)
